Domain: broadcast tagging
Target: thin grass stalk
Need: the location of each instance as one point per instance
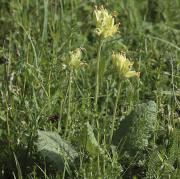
(115, 110)
(7, 103)
(105, 128)
(61, 18)
(45, 25)
(49, 92)
(69, 101)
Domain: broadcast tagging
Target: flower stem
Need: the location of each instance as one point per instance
(114, 112)
(96, 97)
(69, 101)
(97, 74)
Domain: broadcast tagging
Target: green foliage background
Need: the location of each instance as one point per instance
(35, 35)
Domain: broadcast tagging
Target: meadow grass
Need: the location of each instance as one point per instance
(40, 93)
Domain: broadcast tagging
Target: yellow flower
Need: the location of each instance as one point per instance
(123, 65)
(105, 26)
(74, 59)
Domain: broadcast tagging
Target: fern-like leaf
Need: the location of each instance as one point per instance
(136, 129)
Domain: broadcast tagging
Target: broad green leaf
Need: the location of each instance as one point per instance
(89, 141)
(56, 149)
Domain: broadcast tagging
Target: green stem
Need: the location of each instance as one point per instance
(97, 75)
(96, 97)
(7, 101)
(69, 101)
(98, 140)
(114, 112)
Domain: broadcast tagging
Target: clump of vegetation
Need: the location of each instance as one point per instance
(89, 89)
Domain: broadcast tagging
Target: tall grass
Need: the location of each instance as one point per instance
(37, 93)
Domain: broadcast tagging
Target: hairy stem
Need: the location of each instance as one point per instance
(97, 95)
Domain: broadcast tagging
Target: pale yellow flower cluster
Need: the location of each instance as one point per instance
(123, 65)
(74, 59)
(105, 26)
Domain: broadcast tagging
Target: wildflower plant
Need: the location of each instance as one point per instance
(123, 67)
(73, 61)
(105, 27)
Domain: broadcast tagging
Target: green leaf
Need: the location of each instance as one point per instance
(89, 141)
(2, 116)
(56, 149)
(19, 172)
(136, 129)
